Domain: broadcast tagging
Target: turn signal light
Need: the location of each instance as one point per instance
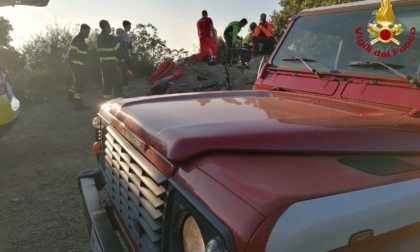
(97, 147)
(357, 240)
(96, 122)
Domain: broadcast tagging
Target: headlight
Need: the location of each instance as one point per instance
(96, 122)
(193, 240)
(190, 227)
(215, 245)
(191, 236)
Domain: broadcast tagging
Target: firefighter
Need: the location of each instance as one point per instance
(124, 60)
(109, 51)
(77, 57)
(263, 35)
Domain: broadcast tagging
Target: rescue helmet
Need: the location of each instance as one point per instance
(263, 16)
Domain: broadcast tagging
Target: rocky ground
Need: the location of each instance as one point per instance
(40, 158)
(240, 76)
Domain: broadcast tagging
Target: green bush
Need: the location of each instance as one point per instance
(55, 79)
(45, 55)
(141, 67)
(221, 51)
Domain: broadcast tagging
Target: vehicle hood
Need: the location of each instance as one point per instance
(181, 126)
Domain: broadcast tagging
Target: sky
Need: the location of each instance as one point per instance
(175, 20)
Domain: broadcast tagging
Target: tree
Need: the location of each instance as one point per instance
(45, 51)
(147, 44)
(149, 49)
(9, 57)
(5, 29)
(290, 8)
(45, 55)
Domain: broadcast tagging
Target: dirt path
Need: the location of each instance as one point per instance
(40, 158)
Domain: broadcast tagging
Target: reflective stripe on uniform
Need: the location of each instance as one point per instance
(108, 58)
(109, 49)
(109, 53)
(77, 96)
(72, 89)
(78, 50)
(77, 62)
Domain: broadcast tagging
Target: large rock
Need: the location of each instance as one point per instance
(241, 77)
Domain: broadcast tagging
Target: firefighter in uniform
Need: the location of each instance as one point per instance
(77, 57)
(109, 51)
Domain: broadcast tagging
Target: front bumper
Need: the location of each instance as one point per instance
(103, 235)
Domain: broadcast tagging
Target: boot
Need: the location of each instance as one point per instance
(212, 61)
(70, 97)
(78, 105)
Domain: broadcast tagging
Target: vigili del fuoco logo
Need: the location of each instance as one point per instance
(384, 30)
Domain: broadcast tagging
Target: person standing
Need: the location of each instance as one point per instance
(263, 34)
(77, 57)
(109, 51)
(231, 34)
(126, 37)
(124, 60)
(207, 35)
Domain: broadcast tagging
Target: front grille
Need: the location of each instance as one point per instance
(137, 189)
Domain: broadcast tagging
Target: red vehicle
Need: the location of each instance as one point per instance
(324, 154)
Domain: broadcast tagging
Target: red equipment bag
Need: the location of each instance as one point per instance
(161, 70)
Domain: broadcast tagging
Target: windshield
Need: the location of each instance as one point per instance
(350, 42)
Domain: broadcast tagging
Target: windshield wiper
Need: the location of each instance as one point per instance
(390, 67)
(304, 61)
